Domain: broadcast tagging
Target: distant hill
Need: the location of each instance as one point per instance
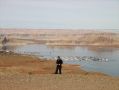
(100, 38)
(62, 36)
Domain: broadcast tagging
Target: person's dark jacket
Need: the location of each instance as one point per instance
(59, 62)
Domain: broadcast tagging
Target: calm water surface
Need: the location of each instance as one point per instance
(111, 67)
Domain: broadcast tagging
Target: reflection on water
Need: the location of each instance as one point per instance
(103, 49)
(61, 47)
(110, 68)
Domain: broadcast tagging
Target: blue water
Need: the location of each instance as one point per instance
(111, 67)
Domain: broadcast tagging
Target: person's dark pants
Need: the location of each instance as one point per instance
(58, 68)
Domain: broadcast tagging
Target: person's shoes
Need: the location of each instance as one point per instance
(55, 73)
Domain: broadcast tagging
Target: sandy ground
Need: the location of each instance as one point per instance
(30, 73)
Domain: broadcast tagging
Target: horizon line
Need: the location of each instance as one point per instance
(60, 28)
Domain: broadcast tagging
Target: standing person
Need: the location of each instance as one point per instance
(4, 43)
(59, 63)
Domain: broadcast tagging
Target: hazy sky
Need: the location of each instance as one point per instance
(82, 14)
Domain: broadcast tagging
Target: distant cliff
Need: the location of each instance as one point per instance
(61, 37)
(100, 38)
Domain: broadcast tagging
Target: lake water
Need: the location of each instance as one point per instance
(111, 67)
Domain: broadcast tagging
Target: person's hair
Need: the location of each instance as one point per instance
(58, 56)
